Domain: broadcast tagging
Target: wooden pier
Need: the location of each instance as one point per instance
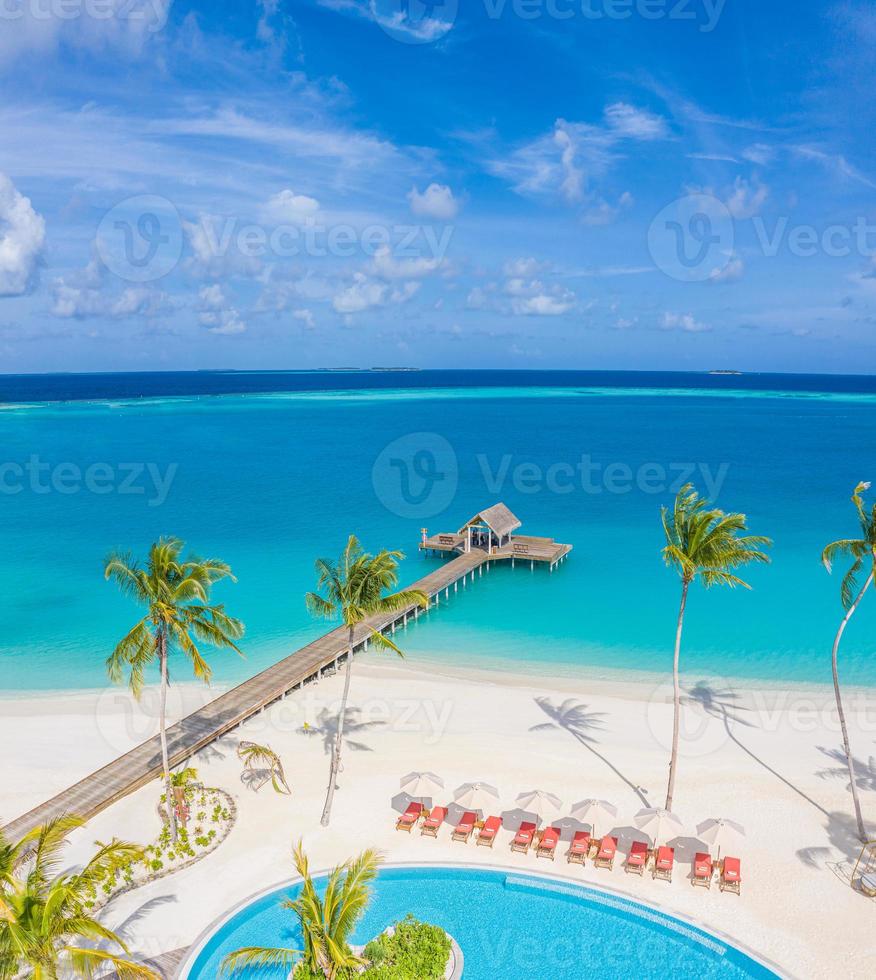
(142, 764)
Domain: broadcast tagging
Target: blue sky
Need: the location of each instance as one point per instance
(679, 184)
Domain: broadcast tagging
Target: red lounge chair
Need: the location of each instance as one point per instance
(664, 860)
(547, 846)
(465, 827)
(408, 820)
(731, 876)
(523, 838)
(579, 848)
(637, 858)
(702, 870)
(487, 836)
(607, 851)
(432, 823)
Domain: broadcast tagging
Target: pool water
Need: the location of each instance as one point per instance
(509, 926)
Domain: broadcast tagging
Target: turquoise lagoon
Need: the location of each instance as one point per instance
(270, 479)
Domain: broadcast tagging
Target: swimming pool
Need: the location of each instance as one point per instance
(508, 925)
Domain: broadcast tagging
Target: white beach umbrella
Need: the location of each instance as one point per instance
(476, 796)
(720, 833)
(544, 805)
(422, 785)
(594, 812)
(658, 824)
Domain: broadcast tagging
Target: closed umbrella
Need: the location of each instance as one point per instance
(658, 824)
(476, 796)
(422, 786)
(594, 812)
(544, 805)
(721, 833)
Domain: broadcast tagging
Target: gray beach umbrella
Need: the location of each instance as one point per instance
(658, 824)
(594, 812)
(721, 833)
(476, 796)
(544, 805)
(422, 785)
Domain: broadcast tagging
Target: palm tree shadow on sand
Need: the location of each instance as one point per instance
(865, 772)
(327, 728)
(573, 717)
(724, 706)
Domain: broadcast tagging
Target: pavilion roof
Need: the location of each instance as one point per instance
(498, 519)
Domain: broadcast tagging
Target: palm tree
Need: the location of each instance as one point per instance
(354, 589)
(46, 929)
(702, 542)
(176, 594)
(262, 763)
(862, 551)
(327, 921)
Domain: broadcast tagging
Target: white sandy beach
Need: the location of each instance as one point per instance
(763, 761)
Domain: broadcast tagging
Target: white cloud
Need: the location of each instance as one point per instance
(22, 237)
(534, 299)
(683, 321)
(306, 317)
(476, 299)
(125, 25)
(523, 267)
(217, 314)
(759, 153)
(603, 213)
(82, 302)
(570, 160)
(746, 200)
(626, 120)
(362, 294)
(287, 207)
(731, 272)
(436, 201)
(386, 266)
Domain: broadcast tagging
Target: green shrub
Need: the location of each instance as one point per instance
(416, 951)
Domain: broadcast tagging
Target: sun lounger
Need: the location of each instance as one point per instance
(867, 884)
(702, 870)
(432, 823)
(523, 838)
(579, 848)
(408, 820)
(488, 832)
(465, 827)
(606, 854)
(637, 858)
(547, 846)
(731, 876)
(664, 860)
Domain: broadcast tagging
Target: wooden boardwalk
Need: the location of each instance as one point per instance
(143, 764)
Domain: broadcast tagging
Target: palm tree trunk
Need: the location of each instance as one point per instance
(162, 726)
(862, 833)
(676, 697)
(339, 739)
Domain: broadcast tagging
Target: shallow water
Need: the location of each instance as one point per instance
(269, 481)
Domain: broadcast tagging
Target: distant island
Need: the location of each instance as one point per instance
(725, 372)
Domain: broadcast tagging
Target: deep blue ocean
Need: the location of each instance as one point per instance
(270, 470)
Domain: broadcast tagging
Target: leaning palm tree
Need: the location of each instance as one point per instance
(46, 928)
(702, 542)
(176, 594)
(354, 589)
(862, 551)
(326, 920)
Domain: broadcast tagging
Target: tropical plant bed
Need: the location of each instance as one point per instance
(213, 814)
(411, 950)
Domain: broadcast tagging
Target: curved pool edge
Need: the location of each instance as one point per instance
(195, 950)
